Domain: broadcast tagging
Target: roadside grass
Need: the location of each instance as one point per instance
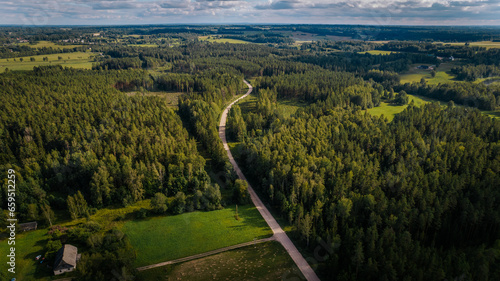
(378, 52)
(264, 261)
(166, 238)
(222, 40)
(172, 98)
(75, 59)
(47, 44)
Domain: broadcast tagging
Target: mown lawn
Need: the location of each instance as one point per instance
(265, 261)
(76, 60)
(166, 238)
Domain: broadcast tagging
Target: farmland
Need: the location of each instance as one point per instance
(75, 60)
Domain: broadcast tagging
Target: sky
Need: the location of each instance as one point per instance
(129, 12)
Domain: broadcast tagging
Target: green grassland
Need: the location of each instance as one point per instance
(221, 40)
(486, 44)
(172, 98)
(75, 60)
(144, 45)
(166, 238)
(378, 52)
(47, 44)
(389, 110)
(286, 108)
(28, 246)
(443, 74)
(31, 244)
(265, 261)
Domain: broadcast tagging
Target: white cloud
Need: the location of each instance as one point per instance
(257, 11)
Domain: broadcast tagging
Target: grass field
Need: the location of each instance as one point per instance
(172, 98)
(285, 107)
(28, 246)
(144, 45)
(288, 107)
(166, 238)
(389, 111)
(32, 243)
(265, 261)
(486, 44)
(47, 44)
(377, 52)
(221, 40)
(75, 60)
(443, 74)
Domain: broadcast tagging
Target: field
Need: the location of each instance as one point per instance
(265, 261)
(75, 60)
(32, 243)
(285, 107)
(172, 98)
(443, 74)
(221, 40)
(47, 44)
(389, 110)
(166, 238)
(486, 44)
(28, 246)
(377, 52)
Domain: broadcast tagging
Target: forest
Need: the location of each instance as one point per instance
(415, 198)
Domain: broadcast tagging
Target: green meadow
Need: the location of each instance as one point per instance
(378, 52)
(443, 74)
(75, 60)
(265, 261)
(221, 40)
(47, 44)
(160, 239)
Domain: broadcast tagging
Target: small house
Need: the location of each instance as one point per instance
(28, 226)
(422, 67)
(66, 259)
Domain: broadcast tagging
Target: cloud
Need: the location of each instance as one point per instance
(382, 12)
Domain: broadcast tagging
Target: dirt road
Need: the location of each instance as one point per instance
(280, 235)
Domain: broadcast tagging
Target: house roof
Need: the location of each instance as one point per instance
(66, 255)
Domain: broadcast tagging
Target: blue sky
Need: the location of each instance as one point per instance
(377, 12)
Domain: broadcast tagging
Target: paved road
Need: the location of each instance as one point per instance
(206, 254)
(280, 235)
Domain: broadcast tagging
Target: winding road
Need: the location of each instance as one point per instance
(279, 234)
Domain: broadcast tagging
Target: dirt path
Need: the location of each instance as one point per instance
(279, 234)
(202, 255)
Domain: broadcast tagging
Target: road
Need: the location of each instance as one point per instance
(279, 234)
(206, 254)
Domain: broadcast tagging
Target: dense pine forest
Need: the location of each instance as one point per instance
(412, 198)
